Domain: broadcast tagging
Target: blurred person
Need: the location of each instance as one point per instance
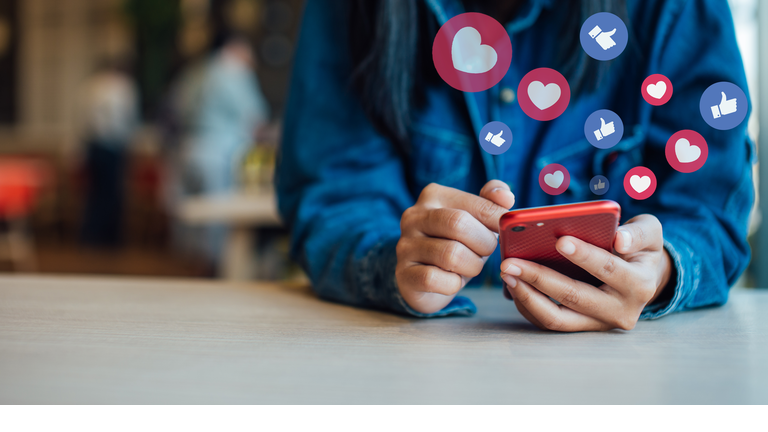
(110, 117)
(217, 108)
(393, 205)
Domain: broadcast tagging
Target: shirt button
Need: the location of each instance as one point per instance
(507, 95)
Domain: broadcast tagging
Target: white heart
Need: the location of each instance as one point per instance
(543, 96)
(640, 184)
(469, 55)
(554, 180)
(686, 152)
(657, 90)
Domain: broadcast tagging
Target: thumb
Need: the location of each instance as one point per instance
(724, 98)
(610, 33)
(602, 122)
(499, 134)
(498, 192)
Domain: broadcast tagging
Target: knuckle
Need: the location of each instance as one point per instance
(407, 218)
(487, 210)
(428, 279)
(457, 220)
(571, 296)
(552, 322)
(451, 256)
(402, 247)
(429, 191)
(625, 323)
(609, 267)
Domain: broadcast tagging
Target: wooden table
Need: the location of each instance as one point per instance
(91, 340)
(243, 212)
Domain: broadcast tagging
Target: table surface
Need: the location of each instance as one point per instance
(100, 340)
(254, 208)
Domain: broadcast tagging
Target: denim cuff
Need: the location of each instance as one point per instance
(686, 264)
(380, 263)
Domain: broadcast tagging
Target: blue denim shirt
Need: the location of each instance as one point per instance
(342, 186)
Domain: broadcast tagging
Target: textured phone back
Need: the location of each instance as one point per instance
(537, 243)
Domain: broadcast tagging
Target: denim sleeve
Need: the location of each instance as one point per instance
(704, 214)
(341, 186)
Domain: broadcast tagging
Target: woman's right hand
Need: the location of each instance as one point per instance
(446, 238)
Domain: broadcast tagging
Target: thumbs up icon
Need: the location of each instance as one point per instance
(727, 106)
(496, 140)
(600, 184)
(605, 129)
(603, 38)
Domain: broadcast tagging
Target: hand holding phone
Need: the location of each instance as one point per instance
(629, 279)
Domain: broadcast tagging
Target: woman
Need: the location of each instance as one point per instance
(393, 204)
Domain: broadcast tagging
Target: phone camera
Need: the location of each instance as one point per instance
(518, 228)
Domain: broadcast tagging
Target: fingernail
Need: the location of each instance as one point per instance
(567, 247)
(496, 190)
(627, 238)
(513, 270)
(507, 293)
(509, 280)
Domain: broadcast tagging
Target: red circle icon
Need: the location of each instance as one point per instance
(554, 179)
(640, 183)
(543, 94)
(657, 89)
(686, 151)
(472, 52)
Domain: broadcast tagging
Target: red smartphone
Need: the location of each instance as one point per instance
(531, 234)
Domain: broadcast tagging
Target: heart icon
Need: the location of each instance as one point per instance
(657, 90)
(640, 184)
(543, 96)
(469, 55)
(554, 180)
(686, 153)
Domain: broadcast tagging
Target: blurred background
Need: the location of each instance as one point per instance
(121, 122)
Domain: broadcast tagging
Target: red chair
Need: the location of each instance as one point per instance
(20, 182)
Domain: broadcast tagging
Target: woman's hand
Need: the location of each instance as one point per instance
(632, 279)
(446, 238)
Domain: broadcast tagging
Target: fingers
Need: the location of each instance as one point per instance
(428, 279)
(537, 308)
(573, 294)
(498, 192)
(484, 210)
(451, 224)
(641, 233)
(449, 255)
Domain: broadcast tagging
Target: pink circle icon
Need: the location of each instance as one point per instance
(656, 89)
(554, 179)
(543, 94)
(686, 151)
(640, 183)
(472, 52)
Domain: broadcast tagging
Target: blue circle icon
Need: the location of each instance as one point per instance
(599, 185)
(603, 36)
(495, 138)
(604, 129)
(724, 105)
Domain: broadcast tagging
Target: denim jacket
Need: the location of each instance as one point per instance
(342, 186)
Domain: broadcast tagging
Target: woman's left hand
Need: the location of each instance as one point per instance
(633, 278)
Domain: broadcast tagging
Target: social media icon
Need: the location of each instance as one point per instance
(603, 36)
(469, 54)
(543, 94)
(726, 106)
(723, 105)
(554, 179)
(599, 185)
(495, 138)
(686, 151)
(657, 89)
(472, 52)
(640, 183)
(604, 129)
